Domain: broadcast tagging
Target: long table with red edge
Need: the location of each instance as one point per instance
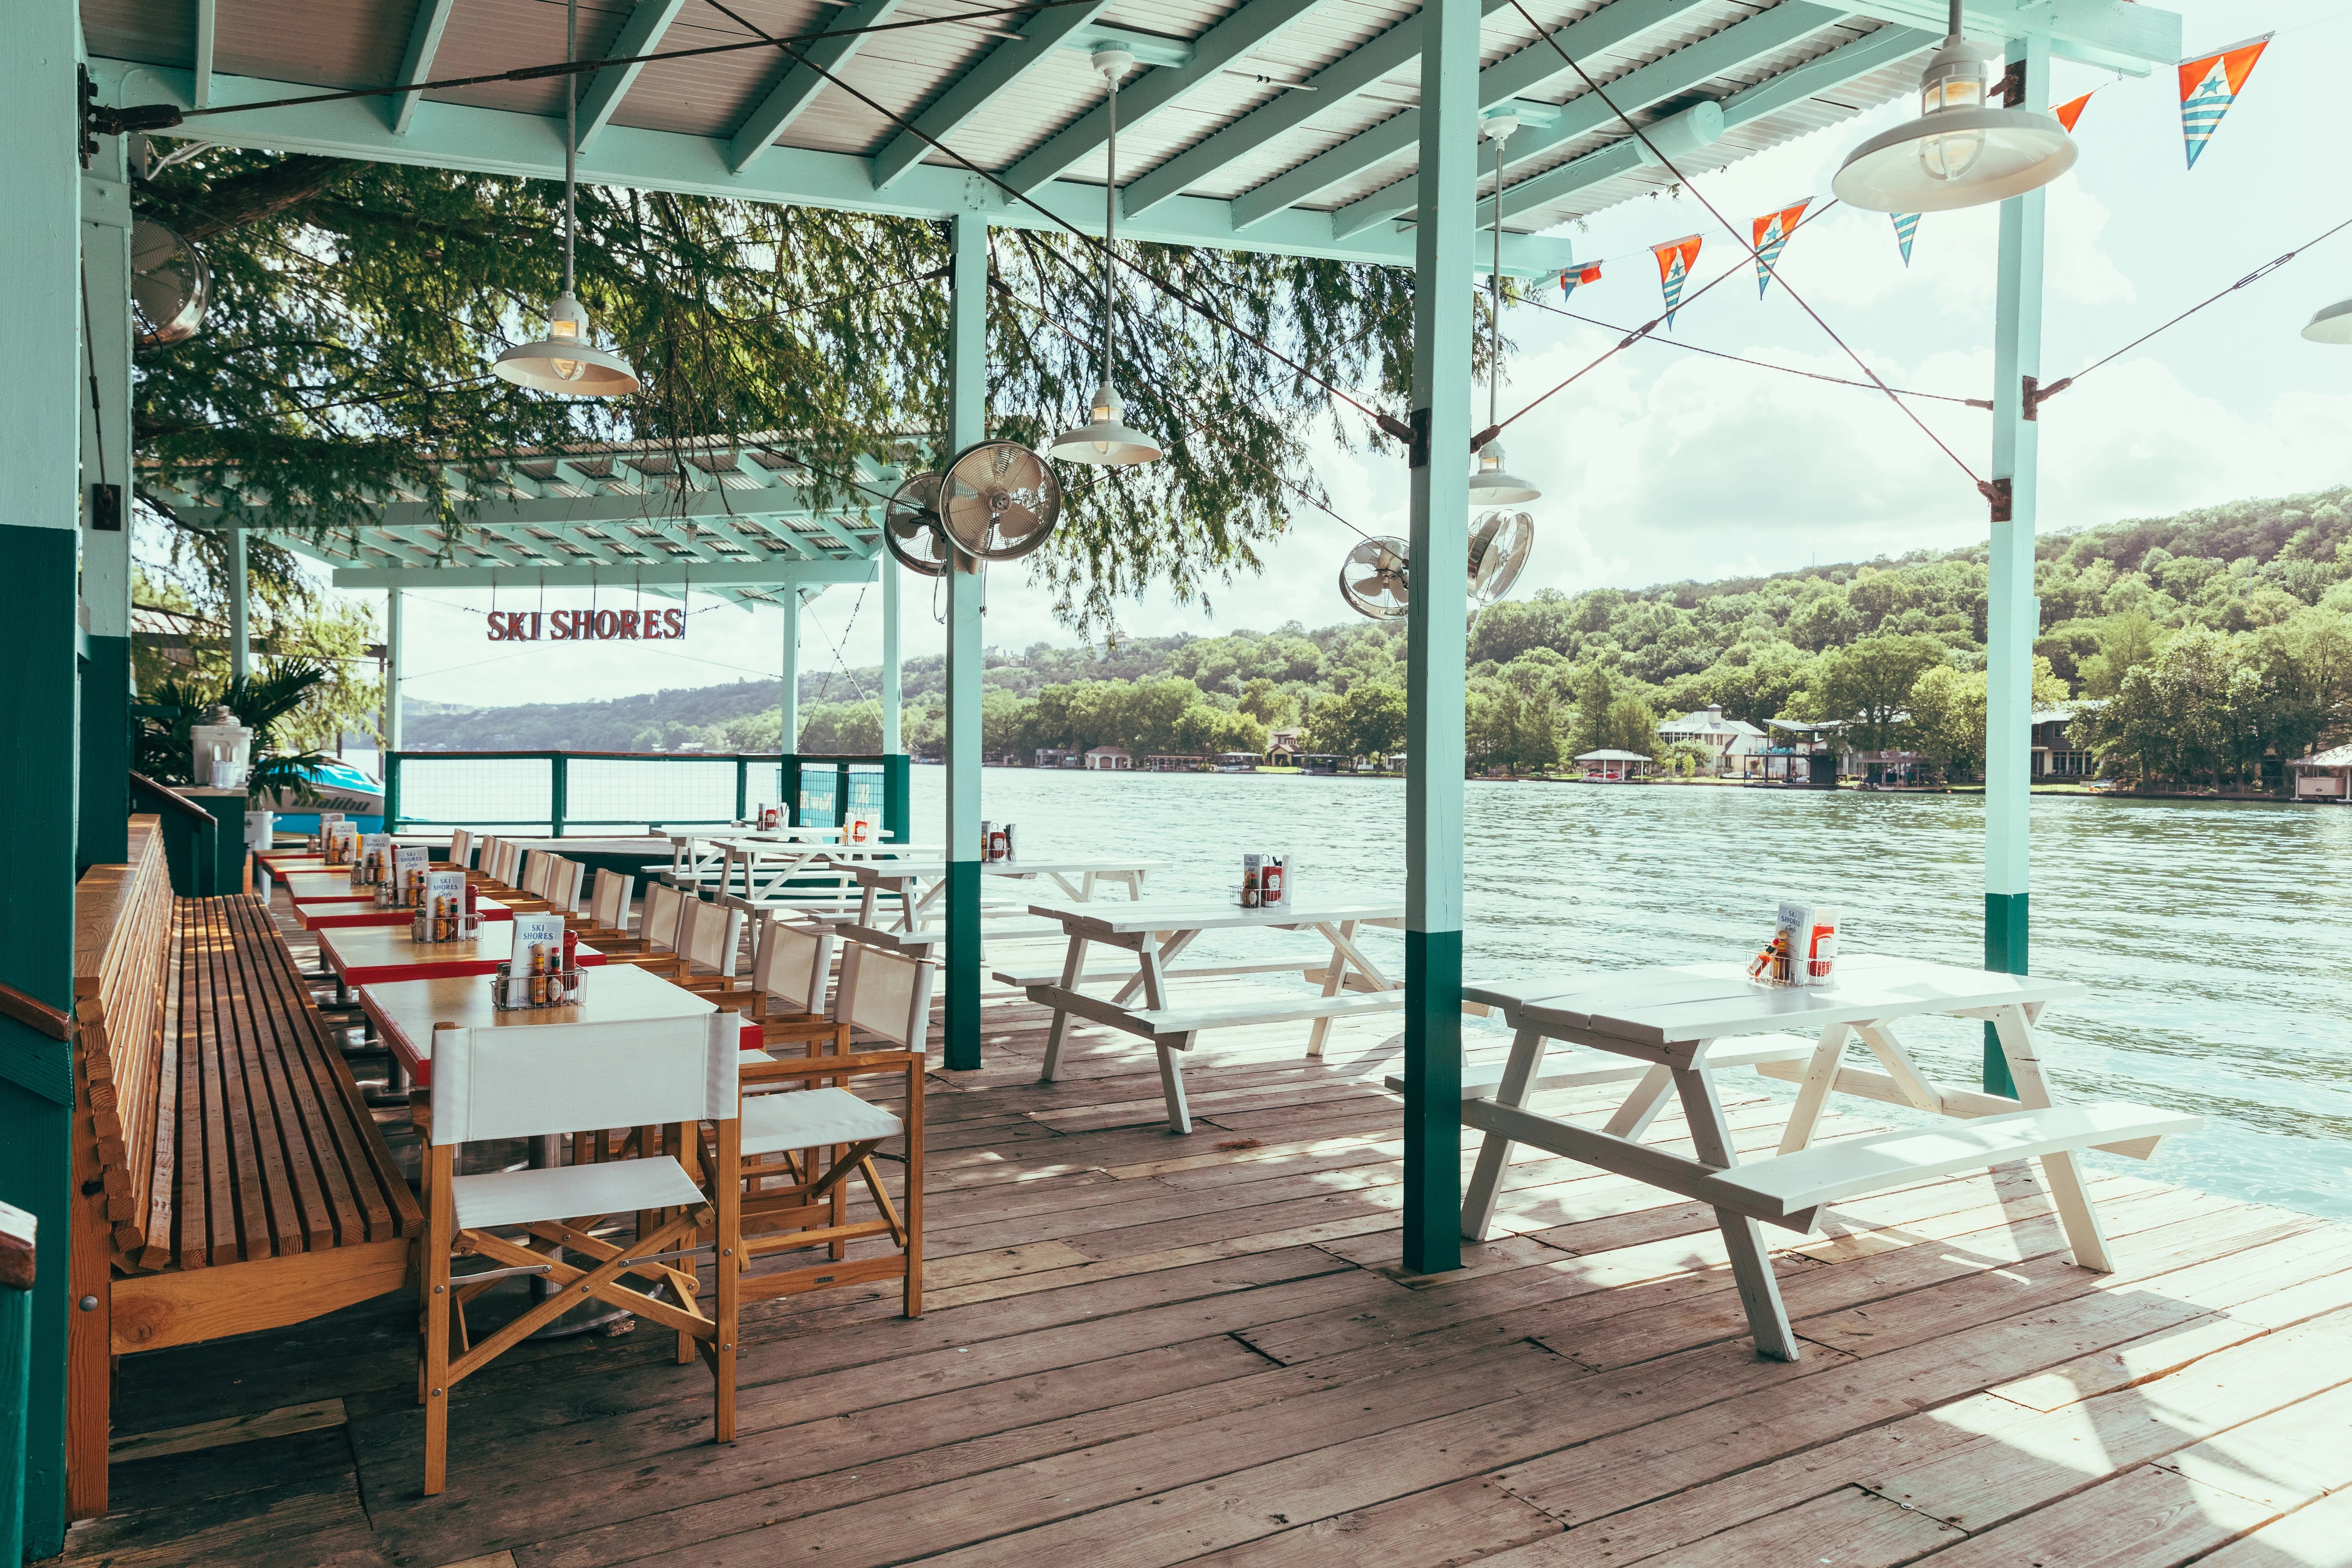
(370, 955)
(318, 890)
(404, 1011)
(331, 916)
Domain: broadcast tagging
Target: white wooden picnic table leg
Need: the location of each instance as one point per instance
(1751, 1265)
(2085, 1235)
(1166, 945)
(1921, 1094)
(1494, 1149)
(1075, 896)
(1334, 978)
(1813, 1093)
(1345, 941)
(1074, 964)
(1642, 1107)
(1171, 1083)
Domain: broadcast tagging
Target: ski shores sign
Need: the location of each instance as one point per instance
(587, 626)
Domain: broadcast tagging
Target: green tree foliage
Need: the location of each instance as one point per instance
(1365, 720)
(357, 307)
(1947, 714)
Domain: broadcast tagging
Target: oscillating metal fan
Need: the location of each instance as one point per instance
(1500, 541)
(911, 527)
(170, 285)
(999, 500)
(1376, 579)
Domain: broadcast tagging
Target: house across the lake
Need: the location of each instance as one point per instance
(2053, 753)
(1738, 746)
(2324, 775)
(1109, 760)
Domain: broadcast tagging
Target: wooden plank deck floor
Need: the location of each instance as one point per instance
(1142, 1349)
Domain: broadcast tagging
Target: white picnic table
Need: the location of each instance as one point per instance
(1683, 1022)
(1158, 933)
(920, 881)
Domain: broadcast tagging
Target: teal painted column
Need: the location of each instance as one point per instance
(1435, 629)
(394, 672)
(967, 422)
(791, 686)
(894, 685)
(106, 677)
(40, 483)
(240, 629)
(2013, 614)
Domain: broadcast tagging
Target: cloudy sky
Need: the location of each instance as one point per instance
(1665, 464)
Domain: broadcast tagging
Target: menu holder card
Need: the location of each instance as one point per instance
(368, 865)
(342, 842)
(404, 889)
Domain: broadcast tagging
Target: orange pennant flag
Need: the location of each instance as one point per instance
(1675, 259)
(2209, 85)
(1772, 231)
(2072, 111)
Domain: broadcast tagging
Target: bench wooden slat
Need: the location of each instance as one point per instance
(304, 1224)
(1174, 1026)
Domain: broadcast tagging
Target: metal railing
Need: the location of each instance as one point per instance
(567, 791)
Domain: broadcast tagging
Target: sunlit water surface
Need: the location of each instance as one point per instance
(2216, 941)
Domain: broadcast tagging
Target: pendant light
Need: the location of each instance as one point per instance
(565, 361)
(1960, 152)
(1492, 484)
(1103, 441)
(2331, 323)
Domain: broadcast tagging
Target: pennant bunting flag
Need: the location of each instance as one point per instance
(2072, 111)
(2209, 85)
(1675, 259)
(1907, 225)
(1582, 272)
(1772, 232)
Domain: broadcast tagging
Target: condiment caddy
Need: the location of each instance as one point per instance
(444, 911)
(545, 969)
(1802, 951)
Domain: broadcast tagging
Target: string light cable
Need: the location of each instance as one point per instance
(1753, 254)
(2043, 394)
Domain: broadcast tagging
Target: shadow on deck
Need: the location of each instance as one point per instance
(1142, 1349)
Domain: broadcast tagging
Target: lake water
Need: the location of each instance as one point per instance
(2216, 941)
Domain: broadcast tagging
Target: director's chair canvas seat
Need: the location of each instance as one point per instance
(805, 1119)
(570, 1192)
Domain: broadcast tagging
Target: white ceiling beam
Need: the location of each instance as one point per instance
(416, 63)
(998, 72)
(640, 35)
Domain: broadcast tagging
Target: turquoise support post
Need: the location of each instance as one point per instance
(894, 687)
(1435, 629)
(558, 793)
(392, 791)
(967, 422)
(395, 669)
(241, 630)
(791, 684)
(2013, 613)
(106, 677)
(742, 788)
(898, 785)
(40, 485)
(18, 1242)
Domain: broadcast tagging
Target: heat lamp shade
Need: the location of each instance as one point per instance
(557, 365)
(2015, 150)
(1103, 441)
(1491, 484)
(2331, 323)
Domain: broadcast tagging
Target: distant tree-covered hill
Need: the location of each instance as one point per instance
(2210, 640)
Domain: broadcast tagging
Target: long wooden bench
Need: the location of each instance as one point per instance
(231, 1177)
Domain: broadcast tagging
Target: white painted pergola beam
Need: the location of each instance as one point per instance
(715, 575)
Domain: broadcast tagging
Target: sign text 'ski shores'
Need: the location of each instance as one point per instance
(587, 626)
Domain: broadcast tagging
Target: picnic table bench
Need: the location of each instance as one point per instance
(230, 1178)
(1158, 933)
(1679, 1025)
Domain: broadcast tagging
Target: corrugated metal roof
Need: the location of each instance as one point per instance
(359, 43)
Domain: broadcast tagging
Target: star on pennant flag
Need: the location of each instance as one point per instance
(1772, 232)
(2071, 111)
(2209, 85)
(1907, 225)
(1574, 276)
(1675, 259)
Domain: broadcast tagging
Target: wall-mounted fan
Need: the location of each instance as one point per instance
(1376, 579)
(1500, 541)
(999, 500)
(170, 285)
(911, 527)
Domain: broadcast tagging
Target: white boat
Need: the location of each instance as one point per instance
(338, 785)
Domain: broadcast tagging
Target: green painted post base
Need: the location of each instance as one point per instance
(35, 1176)
(105, 820)
(1432, 1101)
(2005, 931)
(897, 792)
(963, 977)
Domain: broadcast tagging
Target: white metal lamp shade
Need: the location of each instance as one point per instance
(1103, 441)
(1959, 152)
(564, 360)
(2331, 323)
(1493, 485)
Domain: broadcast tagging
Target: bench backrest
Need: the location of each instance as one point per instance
(792, 964)
(608, 906)
(885, 993)
(123, 972)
